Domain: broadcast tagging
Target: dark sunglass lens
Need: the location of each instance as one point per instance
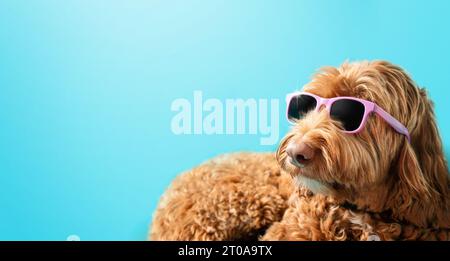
(349, 112)
(300, 105)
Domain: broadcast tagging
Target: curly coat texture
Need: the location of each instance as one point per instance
(230, 197)
(370, 185)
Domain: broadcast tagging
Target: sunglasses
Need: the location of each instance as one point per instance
(351, 112)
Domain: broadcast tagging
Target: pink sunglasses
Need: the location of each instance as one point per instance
(351, 112)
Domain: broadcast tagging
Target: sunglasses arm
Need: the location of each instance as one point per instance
(400, 128)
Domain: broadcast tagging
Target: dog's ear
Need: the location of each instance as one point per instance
(421, 168)
(427, 145)
(420, 183)
(412, 184)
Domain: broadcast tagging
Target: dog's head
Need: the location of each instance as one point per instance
(377, 168)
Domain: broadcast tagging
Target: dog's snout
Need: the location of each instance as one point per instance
(300, 153)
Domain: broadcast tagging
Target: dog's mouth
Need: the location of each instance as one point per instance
(302, 169)
(299, 168)
(317, 186)
(313, 185)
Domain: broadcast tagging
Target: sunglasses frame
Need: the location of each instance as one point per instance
(369, 108)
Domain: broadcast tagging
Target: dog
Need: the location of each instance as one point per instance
(363, 161)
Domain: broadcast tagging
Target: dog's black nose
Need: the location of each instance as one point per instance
(300, 153)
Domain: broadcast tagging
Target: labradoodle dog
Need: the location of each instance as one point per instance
(363, 161)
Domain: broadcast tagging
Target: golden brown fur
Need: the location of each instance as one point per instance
(230, 197)
(371, 185)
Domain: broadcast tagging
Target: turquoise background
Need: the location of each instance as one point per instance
(86, 87)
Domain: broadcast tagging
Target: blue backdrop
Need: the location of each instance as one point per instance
(86, 87)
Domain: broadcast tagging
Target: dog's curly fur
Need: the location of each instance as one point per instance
(370, 185)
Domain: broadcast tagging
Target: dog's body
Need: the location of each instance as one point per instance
(366, 186)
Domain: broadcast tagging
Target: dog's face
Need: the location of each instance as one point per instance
(331, 161)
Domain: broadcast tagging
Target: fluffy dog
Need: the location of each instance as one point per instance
(373, 185)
